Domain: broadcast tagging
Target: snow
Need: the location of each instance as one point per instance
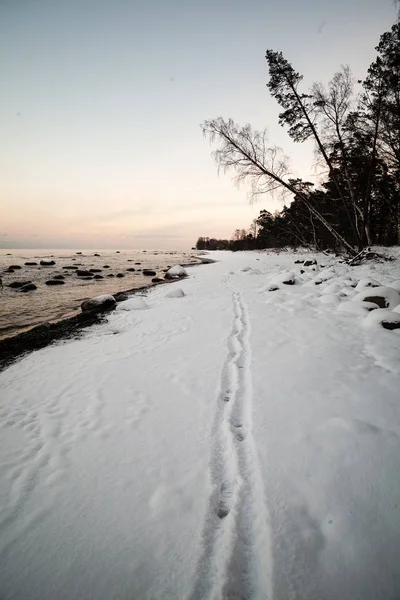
(242, 444)
(175, 293)
(395, 284)
(357, 308)
(136, 303)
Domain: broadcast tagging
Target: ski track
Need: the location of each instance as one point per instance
(236, 560)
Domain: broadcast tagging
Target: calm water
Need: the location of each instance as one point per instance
(19, 311)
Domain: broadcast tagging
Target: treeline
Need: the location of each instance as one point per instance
(357, 142)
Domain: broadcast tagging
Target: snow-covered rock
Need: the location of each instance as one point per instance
(176, 272)
(99, 303)
(324, 276)
(329, 299)
(355, 307)
(285, 277)
(366, 282)
(384, 297)
(133, 304)
(175, 293)
(332, 288)
(389, 319)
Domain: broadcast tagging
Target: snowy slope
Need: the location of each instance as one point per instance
(231, 442)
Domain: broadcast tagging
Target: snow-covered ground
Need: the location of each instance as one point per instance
(227, 442)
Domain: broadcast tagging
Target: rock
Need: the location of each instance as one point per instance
(16, 284)
(83, 273)
(10, 270)
(384, 297)
(58, 277)
(157, 279)
(120, 275)
(96, 254)
(106, 266)
(110, 275)
(15, 267)
(95, 270)
(149, 273)
(71, 267)
(121, 297)
(47, 263)
(118, 252)
(298, 262)
(176, 272)
(99, 304)
(31, 264)
(98, 277)
(309, 263)
(138, 263)
(129, 260)
(28, 287)
(78, 252)
(131, 269)
(86, 278)
(273, 287)
(55, 282)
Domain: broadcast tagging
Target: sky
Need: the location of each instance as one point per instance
(101, 104)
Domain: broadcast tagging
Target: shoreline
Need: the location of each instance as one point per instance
(42, 335)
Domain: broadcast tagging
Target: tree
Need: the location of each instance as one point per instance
(248, 154)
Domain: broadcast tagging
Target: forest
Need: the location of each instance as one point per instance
(355, 127)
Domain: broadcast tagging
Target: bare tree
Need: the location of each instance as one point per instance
(333, 105)
(248, 154)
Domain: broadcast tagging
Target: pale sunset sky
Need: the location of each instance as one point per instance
(101, 103)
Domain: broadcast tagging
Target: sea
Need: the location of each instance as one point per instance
(20, 311)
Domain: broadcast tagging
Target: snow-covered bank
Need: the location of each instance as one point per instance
(230, 442)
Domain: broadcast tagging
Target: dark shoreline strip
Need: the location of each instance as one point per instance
(45, 334)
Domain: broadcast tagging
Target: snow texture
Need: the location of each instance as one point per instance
(175, 293)
(240, 445)
(135, 303)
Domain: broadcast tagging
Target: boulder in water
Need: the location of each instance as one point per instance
(47, 263)
(17, 284)
(99, 303)
(55, 282)
(28, 287)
